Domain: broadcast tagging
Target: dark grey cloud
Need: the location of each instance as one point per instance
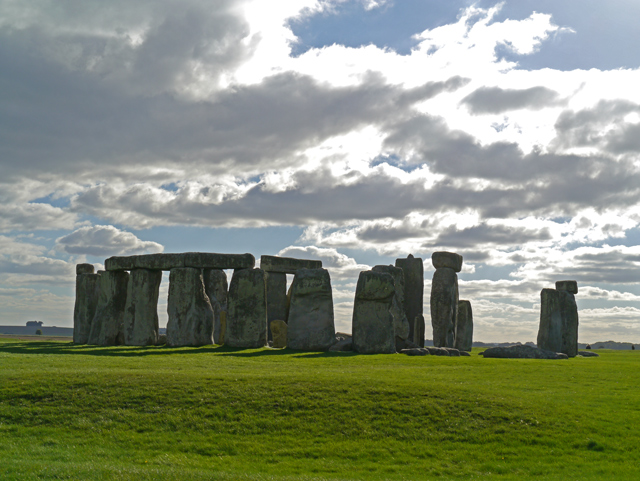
(105, 240)
(495, 100)
(489, 234)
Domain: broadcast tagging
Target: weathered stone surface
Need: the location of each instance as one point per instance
(444, 306)
(166, 262)
(279, 332)
(162, 340)
(569, 286)
(107, 327)
(206, 260)
(141, 311)
(464, 327)
(401, 323)
(452, 351)
(311, 324)
(558, 331)
(190, 313)
(223, 328)
(276, 298)
(84, 269)
(342, 345)
(287, 265)
(215, 285)
(588, 354)
(413, 288)
(417, 351)
(405, 344)
(449, 260)
(418, 330)
(247, 313)
(373, 323)
(465, 353)
(438, 351)
(87, 295)
(522, 352)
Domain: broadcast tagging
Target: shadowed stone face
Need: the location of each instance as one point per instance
(141, 311)
(276, 298)
(400, 320)
(84, 269)
(311, 323)
(447, 259)
(166, 262)
(569, 286)
(558, 331)
(107, 327)
(444, 306)
(287, 265)
(190, 313)
(247, 312)
(464, 327)
(215, 284)
(373, 323)
(279, 330)
(413, 288)
(87, 295)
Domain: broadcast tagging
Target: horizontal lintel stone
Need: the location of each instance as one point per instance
(569, 286)
(287, 265)
(166, 262)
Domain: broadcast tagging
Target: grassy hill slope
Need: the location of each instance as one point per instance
(79, 412)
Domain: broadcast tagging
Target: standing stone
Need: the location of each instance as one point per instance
(279, 330)
(464, 327)
(87, 295)
(276, 298)
(311, 325)
(413, 288)
(223, 327)
(444, 306)
(190, 320)
(418, 331)
(107, 327)
(141, 311)
(373, 323)
(401, 323)
(215, 285)
(558, 331)
(247, 313)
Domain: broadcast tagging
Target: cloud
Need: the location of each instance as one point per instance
(105, 240)
(339, 265)
(495, 100)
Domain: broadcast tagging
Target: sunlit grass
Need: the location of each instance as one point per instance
(79, 412)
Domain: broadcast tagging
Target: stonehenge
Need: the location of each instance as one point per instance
(558, 330)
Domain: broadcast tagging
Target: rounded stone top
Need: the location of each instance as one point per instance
(569, 286)
(84, 269)
(447, 259)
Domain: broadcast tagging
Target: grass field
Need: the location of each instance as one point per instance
(80, 412)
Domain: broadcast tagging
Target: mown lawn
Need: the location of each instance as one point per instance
(79, 412)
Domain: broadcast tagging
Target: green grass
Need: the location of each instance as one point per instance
(79, 412)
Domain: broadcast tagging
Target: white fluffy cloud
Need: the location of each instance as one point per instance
(105, 240)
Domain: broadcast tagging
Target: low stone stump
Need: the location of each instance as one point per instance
(107, 327)
(558, 331)
(588, 354)
(464, 327)
(444, 306)
(311, 321)
(417, 351)
(276, 299)
(401, 323)
(521, 352)
(413, 271)
(279, 331)
(141, 310)
(438, 351)
(373, 323)
(247, 311)
(215, 285)
(87, 295)
(190, 313)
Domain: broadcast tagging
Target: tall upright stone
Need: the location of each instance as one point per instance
(418, 331)
(190, 320)
(216, 287)
(87, 294)
(276, 298)
(444, 297)
(373, 324)
(107, 327)
(247, 313)
(464, 327)
(141, 311)
(413, 288)
(311, 325)
(558, 331)
(401, 323)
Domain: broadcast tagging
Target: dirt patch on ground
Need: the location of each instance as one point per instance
(22, 337)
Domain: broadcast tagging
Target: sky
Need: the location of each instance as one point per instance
(351, 131)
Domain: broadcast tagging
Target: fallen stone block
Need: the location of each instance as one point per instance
(521, 352)
(418, 351)
(287, 265)
(190, 320)
(311, 321)
(588, 354)
(438, 351)
(247, 311)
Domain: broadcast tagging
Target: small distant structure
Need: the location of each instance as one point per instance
(34, 323)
